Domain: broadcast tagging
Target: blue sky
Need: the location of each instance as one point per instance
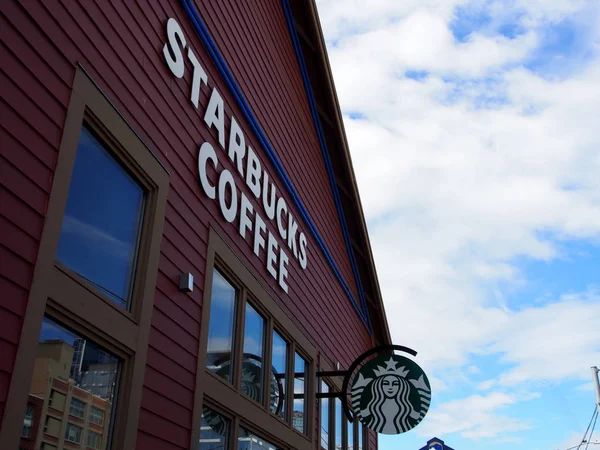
(473, 128)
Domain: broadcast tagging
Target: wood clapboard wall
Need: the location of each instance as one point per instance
(120, 45)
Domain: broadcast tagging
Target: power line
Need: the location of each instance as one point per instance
(583, 440)
(592, 432)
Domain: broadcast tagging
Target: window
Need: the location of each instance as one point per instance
(77, 408)
(339, 415)
(257, 366)
(324, 417)
(361, 441)
(97, 416)
(27, 422)
(52, 426)
(220, 333)
(250, 441)
(102, 221)
(96, 269)
(58, 360)
(94, 440)
(73, 433)
(252, 363)
(214, 430)
(299, 393)
(57, 400)
(350, 428)
(279, 357)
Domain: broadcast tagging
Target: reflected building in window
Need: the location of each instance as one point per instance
(70, 396)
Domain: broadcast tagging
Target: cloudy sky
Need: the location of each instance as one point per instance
(474, 128)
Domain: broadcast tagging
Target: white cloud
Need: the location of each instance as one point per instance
(476, 164)
(474, 417)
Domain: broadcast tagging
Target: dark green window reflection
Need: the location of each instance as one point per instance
(250, 441)
(102, 221)
(299, 393)
(214, 429)
(219, 350)
(278, 378)
(252, 366)
(324, 417)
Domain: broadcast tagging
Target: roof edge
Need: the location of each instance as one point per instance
(351, 187)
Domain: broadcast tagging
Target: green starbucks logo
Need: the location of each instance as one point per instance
(390, 394)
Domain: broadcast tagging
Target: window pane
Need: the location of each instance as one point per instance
(67, 362)
(73, 433)
(77, 408)
(350, 429)
(214, 430)
(94, 440)
(220, 328)
(338, 424)
(249, 441)
(102, 221)
(252, 366)
(360, 436)
(26, 430)
(278, 370)
(299, 394)
(324, 417)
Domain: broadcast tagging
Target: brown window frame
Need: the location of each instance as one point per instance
(227, 398)
(63, 296)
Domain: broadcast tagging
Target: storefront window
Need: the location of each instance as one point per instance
(214, 430)
(249, 441)
(278, 379)
(102, 221)
(219, 350)
(324, 417)
(298, 416)
(350, 429)
(70, 363)
(246, 328)
(252, 365)
(338, 424)
(360, 436)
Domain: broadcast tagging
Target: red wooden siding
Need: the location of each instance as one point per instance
(254, 40)
(120, 45)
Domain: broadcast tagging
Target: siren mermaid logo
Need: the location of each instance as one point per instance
(391, 394)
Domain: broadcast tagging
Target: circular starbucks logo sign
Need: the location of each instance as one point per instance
(390, 394)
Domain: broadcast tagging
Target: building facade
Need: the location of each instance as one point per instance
(182, 244)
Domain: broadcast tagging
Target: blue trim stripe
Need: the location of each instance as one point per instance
(315, 115)
(229, 79)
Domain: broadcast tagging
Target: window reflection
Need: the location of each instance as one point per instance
(72, 377)
(220, 329)
(252, 371)
(214, 430)
(102, 221)
(324, 417)
(299, 393)
(338, 424)
(278, 371)
(249, 441)
(360, 436)
(350, 428)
